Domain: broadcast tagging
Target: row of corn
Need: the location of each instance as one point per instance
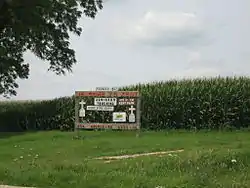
(215, 103)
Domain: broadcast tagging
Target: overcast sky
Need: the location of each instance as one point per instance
(133, 41)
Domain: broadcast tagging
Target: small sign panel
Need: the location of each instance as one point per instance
(105, 101)
(100, 108)
(102, 89)
(106, 88)
(119, 117)
(126, 101)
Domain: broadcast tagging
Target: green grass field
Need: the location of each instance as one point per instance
(55, 159)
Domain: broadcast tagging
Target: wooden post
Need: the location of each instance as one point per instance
(138, 115)
(76, 129)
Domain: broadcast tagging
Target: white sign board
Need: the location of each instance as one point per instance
(119, 117)
(106, 88)
(105, 101)
(102, 89)
(100, 108)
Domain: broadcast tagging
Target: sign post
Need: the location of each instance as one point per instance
(107, 109)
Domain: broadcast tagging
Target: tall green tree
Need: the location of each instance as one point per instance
(43, 27)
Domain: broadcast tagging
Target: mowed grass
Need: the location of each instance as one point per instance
(55, 159)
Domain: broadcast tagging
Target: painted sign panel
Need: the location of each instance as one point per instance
(108, 126)
(119, 116)
(126, 101)
(107, 93)
(100, 108)
(105, 101)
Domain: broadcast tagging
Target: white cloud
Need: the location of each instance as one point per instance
(163, 29)
(194, 57)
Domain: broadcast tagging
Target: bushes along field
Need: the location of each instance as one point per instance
(216, 103)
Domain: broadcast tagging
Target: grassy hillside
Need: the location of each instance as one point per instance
(216, 103)
(54, 159)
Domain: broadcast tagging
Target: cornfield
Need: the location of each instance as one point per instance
(215, 103)
(37, 115)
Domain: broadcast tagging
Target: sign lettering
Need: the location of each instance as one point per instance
(105, 101)
(107, 93)
(100, 108)
(126, 101)
(106, 89)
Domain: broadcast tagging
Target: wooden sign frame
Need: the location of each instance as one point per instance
(114, 125)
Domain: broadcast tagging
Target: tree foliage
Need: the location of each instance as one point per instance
(43, 27)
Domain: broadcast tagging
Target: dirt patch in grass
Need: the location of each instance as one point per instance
(110, 158)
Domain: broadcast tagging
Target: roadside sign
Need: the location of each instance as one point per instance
(113, 109)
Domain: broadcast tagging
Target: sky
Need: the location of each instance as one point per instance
(140, 41)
